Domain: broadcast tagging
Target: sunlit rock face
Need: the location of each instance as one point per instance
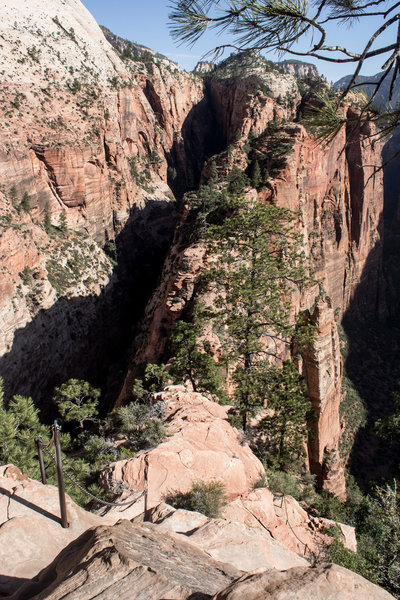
(103, 145)
(89, 136)
(340, 206)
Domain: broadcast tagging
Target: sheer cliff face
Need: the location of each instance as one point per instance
(85, 133)
(340, 204)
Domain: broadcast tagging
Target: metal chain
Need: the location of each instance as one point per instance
(50, 443)
(89, 493)
(290, 526)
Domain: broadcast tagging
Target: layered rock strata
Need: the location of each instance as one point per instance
(130, 560)
(90, 136)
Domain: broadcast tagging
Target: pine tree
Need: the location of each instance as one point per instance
(19, 425)
(213, 173)
(156, 378)
(258, 264)
(14, 197)
(255, 174)
(238, 180)
(77, 401)
(286, 427)
(47, 218)
(63, 223)
(25, 204)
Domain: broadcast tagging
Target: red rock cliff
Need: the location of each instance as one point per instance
(340, 204)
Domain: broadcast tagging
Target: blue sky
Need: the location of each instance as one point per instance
(145, 22)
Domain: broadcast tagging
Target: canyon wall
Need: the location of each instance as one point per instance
(87, 138)
(340, 205)
(94, 151)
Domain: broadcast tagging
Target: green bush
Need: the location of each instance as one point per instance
(281, 482)
(156, 378)
(206, 498)
(355, 561)
(136, 423)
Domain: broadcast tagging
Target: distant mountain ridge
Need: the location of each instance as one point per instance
(382, 97)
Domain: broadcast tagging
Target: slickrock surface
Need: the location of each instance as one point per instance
(179, 555)
(245, 547)
(286, 521)
(129, 561)
(325, 582)
(201, 446)
(31, 535)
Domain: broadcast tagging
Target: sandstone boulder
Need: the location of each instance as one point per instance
(244, 547)
(201, 446)
(287, 521)
(129, 561)
(30, 531)
(325, 582)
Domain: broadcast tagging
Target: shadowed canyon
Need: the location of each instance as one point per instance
(105, 146)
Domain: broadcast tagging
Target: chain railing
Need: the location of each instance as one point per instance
(57, 459)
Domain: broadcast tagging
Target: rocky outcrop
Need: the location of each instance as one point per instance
(325, 582)
(243, 91)
(204, 67)
(243, 546)
(323, 371)
(130, 560)
(302, 70)
(201, 446)
(31, 535)
(287, 522)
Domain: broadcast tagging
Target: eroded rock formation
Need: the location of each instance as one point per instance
(116, 137)
(202, 446)
(87, 134)
(320, 583)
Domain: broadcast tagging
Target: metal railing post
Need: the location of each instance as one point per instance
(145, 512)
(41, 461)
(60, 477)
